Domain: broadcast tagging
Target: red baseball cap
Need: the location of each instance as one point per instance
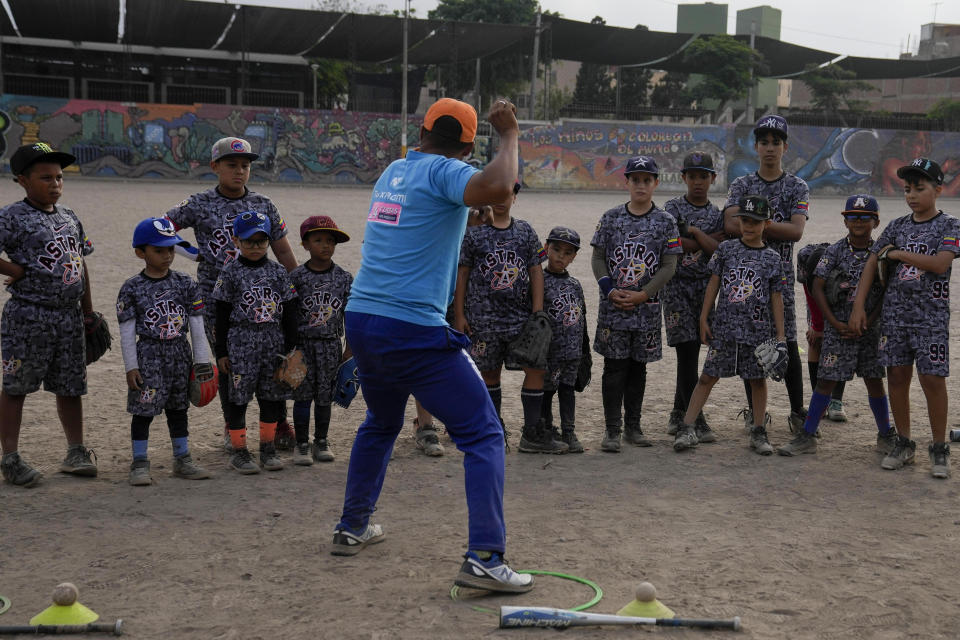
(322, 223)
(461, 112)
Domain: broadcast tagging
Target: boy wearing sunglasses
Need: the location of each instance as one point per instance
(257, 312)
(844, 352)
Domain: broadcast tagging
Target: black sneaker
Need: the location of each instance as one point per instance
(673, 423)
(492, 575)
(540, 440)
(704, 433)
(347, 543)
(611, 440)
(634, 435)
(320, 451)
(939, 459)
(573, 444)
(903, 453)
(78, 461)
(16, 471)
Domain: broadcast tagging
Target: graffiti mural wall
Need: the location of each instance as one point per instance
(296, 145)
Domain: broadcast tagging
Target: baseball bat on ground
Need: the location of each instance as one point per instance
(116, 628)
(516, 617)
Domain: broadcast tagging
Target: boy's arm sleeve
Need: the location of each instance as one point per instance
(289, 320)
(222, 328)
(668, 266)
(198, 339)
(128, 344)
(598, 263)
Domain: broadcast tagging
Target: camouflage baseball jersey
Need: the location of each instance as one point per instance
(748, 276)
(210, 214)
(498, 289)
(160, 306)
(634, 246)
(323, 296)
(50, 247)
(256, 291)
(709, 219)
(917, 298)
(788, 196)
(841, 256)
(564, 303)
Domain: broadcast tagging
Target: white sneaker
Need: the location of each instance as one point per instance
(347, 543)
(835, 411)
(492, 575)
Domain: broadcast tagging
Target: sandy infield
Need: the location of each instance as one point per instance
(824, 546)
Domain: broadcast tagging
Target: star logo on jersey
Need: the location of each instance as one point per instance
(265, 311)
(10, 367)
(73, 270)
(690, 259)
(505, 278)
(907, 272)
(571, 316)
(147, 396)
(631, 274)
(740, 291)
(320, 317)
(171, 328)
(830, 360)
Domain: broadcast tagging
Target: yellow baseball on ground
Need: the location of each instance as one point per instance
(65, 594)
(646, 592)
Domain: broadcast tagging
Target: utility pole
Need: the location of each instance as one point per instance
(476, 88)
(403, 91)
(750, 115)
(533, 72)
(313, 67)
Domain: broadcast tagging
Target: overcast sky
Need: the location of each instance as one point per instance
(852, 27)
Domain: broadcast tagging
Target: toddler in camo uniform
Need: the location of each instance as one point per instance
(499, 284)
(700, 224)
(564, 303)
(257, 315)
(323, 288)
(156, 309)
(41, 331)
(635, 249)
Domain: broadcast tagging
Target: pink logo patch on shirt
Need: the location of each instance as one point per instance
(385, 213)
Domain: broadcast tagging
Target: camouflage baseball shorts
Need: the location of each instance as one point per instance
(489, 350)
(841, 358)
(682, 302)
(620, 344)
(561, 372)
(322, 358)
(253, 360)
(42, 345)
(165, 369)
(726, 359)
(928, 348)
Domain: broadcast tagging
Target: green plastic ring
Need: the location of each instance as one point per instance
(4, 604)
(597, 591)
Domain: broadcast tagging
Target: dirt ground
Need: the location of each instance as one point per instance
(824, 546)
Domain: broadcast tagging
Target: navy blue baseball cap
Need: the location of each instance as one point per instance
(775, 123)
(756, 207)
(157, 232)
(564, 234)
(698, 160)
(925, 167)
(248, 223)
(862, 203)
(646, 164)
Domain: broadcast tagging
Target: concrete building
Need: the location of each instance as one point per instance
(762, 21)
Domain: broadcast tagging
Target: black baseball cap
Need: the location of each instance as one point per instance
(925, 167)
(756, 207)
(698, 160)
(30, 154)
(644, 164)
(564, 234)
(773, 122)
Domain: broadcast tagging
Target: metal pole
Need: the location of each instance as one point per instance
(617, 104)
(750, 115)
(533, 70)
(314, 67)
(403, 92)
(476, 87)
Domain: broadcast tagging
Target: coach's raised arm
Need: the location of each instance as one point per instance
(495, 183)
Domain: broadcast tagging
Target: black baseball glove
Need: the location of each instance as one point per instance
(886, 268)
(97, 335)
(531, 347)
(585, 369)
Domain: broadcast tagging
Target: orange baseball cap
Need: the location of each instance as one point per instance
(461, 112)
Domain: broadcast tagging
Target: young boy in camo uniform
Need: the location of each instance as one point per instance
(323, 288)
(156, 309)
(211, 214)
(42, 328)
(257, 315)
(789, 198)
(700, 224)
(564, 302)
(842, 352)
(499, 284)
(635, 249)
(915, 321)
(749, 278)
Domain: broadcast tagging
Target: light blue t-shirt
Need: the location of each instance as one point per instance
(411, 244)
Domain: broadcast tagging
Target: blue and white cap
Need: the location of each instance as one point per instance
(645, 164)
(862, 203)
(157, 232)
(248, 223)
(773, 122)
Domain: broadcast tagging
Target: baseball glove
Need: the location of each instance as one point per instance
(886, 268)
(807, 259)
(97, 335)
(772, 358)
(204, 383)
(531, 347)
(836, 289)
(585, 368)
(292, 369)
(683, 228)
(346, 383)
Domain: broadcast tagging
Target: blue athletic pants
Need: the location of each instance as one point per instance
(394, 360)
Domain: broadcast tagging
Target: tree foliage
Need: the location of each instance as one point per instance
(729, 68)
(947, 110)
(594, 82)
(333, 82)
(831, 86)
(671, 92)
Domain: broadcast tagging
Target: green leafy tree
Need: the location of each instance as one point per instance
(830, 88)
(333, 82)
(729, 68)
(671, 92)
(559, 98)
(594, 82)
(634, 85)
(947, 110)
